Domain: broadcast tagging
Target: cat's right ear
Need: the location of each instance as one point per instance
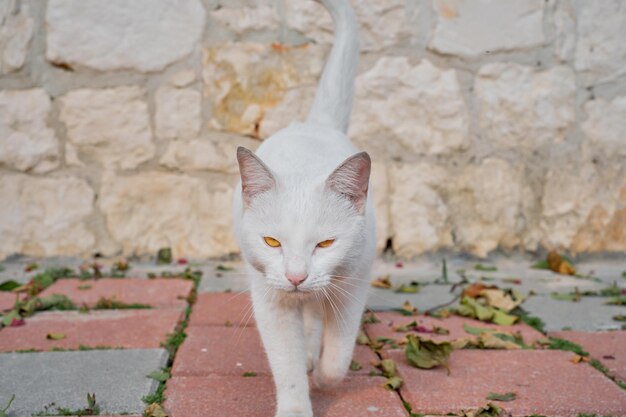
(256, 177)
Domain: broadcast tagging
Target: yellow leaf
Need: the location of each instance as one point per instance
(382, 282)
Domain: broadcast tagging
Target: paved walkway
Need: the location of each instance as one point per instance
(169, 337)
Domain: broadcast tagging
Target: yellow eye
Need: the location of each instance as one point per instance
(271, 241)
(326, 243)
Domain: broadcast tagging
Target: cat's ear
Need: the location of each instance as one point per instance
(351, 179)
(256, 177)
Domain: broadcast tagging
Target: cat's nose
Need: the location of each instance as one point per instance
(297, 279)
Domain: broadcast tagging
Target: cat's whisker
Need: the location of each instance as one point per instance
(249, 313)
(337, 310)
(344, 291)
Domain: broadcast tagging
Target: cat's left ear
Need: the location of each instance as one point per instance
(256, 177)
(351, 179)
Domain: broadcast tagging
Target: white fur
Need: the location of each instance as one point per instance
(299, 196)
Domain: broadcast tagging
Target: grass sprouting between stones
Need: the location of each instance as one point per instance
(175, 339)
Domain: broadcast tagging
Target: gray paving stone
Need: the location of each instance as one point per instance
(117, 377)
(429, 296)
(214, 280)
(588, 314)
(13, 268)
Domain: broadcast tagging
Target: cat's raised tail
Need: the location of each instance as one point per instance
(333, 99)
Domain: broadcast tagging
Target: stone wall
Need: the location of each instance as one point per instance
(493, 124)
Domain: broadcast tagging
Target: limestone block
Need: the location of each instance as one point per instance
(565, 30)
(217, 153)
(110, 126)
(379, 180)
(476, 27)
(523, 108)
(294, 106)
(26, 141)
(419, 107)
(492, 207)
(606, 125)
(16, 31)
(567, 200)
(600, 33)
(143, 35)
(178, 113)
(382, 23)
(151, 210)
(419, 216)
(582, 208)
(245, 80)
(45, 216)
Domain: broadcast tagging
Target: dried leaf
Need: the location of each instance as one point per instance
(476, 331)
(509, 396)
(55, 336)
(383, 282)
(31, 267)
(224, 268)
(388, 367)
(427, 354)
(579, 358)
(617, 301)
(475, 289)
(154, 410)
(411, 288)
(559, 265)
(497, 340)
(406, 328)
(121, 265)
(164, 256)
(355, 366)
(504, 300)
(408, 308)
(489, 410)
(470, 307)
(393, 383)
(159, 375)
(9, 285)
(515, 281)
(369, 318)
(485, 268)
(249, 374)
(573, 297)
(503, 319)
(440, 330)
(362, 338)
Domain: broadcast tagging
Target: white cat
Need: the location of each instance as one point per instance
(305, 222)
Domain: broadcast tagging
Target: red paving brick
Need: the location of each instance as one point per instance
(454, 324)
(112, 328)
(254, 397)
(546, 383)
(7, 300)
(233, 351)
(159, 292)
(607, 347)
(215, 309)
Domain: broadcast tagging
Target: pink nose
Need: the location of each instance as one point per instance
(296, 279)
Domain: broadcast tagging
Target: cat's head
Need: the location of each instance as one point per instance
(298, 232)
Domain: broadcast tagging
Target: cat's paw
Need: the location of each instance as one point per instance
(311, 363)
(292, 413)
(325, 379)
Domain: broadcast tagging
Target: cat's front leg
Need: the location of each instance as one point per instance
(313, 326)
(342, 323)
(282, 330)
